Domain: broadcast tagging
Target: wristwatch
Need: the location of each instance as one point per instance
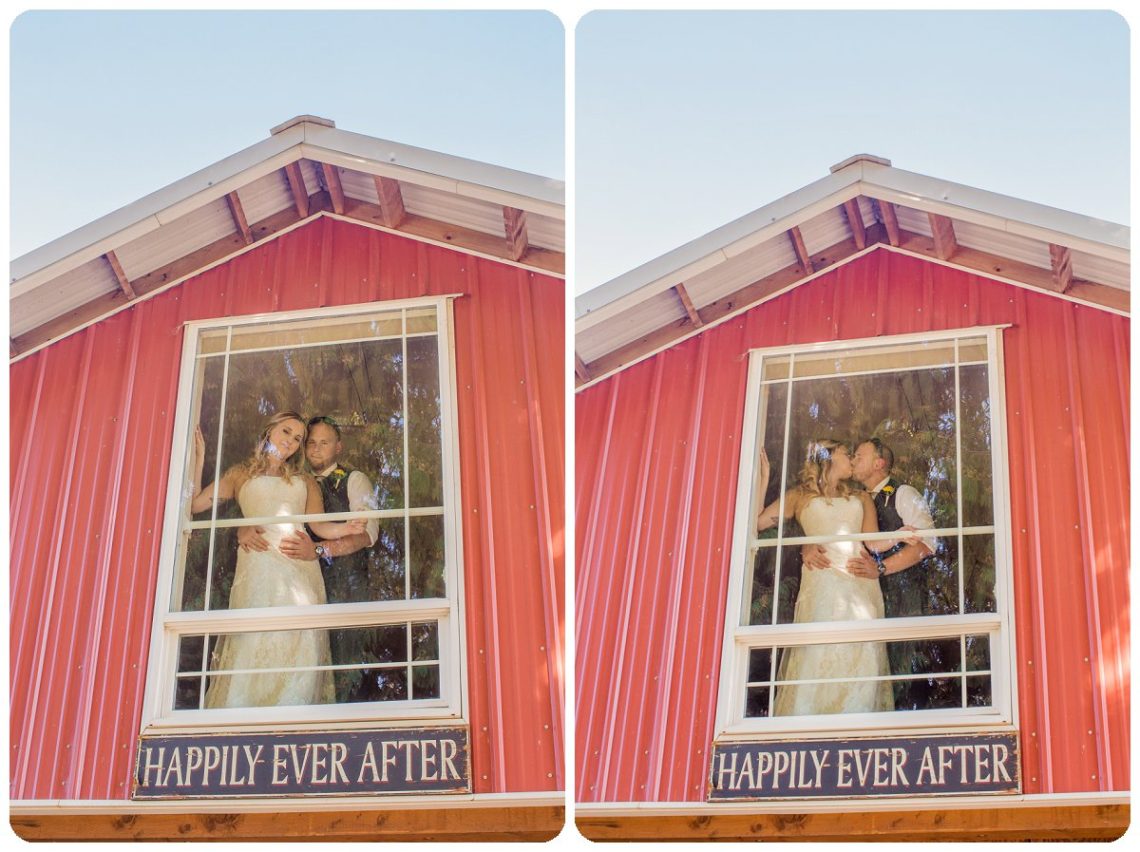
(882, 566)
(323, 553)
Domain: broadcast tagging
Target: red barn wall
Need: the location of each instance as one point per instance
(90, 436)
(657, 451)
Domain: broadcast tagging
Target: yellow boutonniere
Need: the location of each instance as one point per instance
(888, 489)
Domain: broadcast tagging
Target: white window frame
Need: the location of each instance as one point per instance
(168, 625)
(738, 640)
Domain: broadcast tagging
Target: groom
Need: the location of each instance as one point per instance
(901, 570)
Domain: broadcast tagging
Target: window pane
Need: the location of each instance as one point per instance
(978, 562)
(760, 665)
(426, 555)
(291, 667)
(833, 678)
(775, 367)
(425, 641)
(302, 332)
(978, 653)
(425, 682)
(425, 448)
(773, 415)
(925, 657)
(875, 358)
(863, 677)
(979, 691)
(933, 583)
(386, 580)
(756, 703)
(421, 320)
(977, 469)
(190, 594)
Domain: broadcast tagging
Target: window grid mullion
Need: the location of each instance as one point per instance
(780, 520)
(217, 469)
(407, 470)
(958, 475)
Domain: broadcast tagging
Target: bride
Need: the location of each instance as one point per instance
(270, 482)
(824, 504)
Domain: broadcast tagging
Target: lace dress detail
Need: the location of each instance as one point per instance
(270, 578)
(832, 594)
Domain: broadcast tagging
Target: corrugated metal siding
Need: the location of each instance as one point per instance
(656, 453)
(91, 427)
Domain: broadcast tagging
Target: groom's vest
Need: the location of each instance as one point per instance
(347, 573)
(904, 592)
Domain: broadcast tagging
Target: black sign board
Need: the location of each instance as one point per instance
(397, 760)
(889, 766)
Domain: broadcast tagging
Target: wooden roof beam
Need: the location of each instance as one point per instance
(238, 214)
(120, 275)
(855, 222)
(800, 248)
(391, 201)
(687, 304)
(514, 223)
(336, 191)
(580, 369)
(297, 187)
(890, 219)
(1061, 259)
(468, 239)
(942, 230)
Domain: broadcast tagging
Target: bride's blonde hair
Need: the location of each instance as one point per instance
(817, 466)
(258, 462)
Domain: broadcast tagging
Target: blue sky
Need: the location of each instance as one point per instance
(106, 107)
(686, 121)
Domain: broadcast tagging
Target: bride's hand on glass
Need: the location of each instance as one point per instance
(199, 445)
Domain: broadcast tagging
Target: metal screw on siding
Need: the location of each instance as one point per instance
(551, 775)
(546, 727)
(484, 729)
(1090, 734)
(542, 647)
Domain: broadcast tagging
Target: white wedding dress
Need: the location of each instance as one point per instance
(832, 594)
(270, 578)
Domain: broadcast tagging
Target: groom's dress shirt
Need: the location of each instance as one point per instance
(360, 498)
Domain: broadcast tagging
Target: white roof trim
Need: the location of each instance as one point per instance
(861, 177)
(350, 150)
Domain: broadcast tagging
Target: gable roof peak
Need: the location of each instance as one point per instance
(301, 119)
(860, 158)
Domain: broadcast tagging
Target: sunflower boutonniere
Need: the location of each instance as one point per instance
(887, 489)
(337, 476)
